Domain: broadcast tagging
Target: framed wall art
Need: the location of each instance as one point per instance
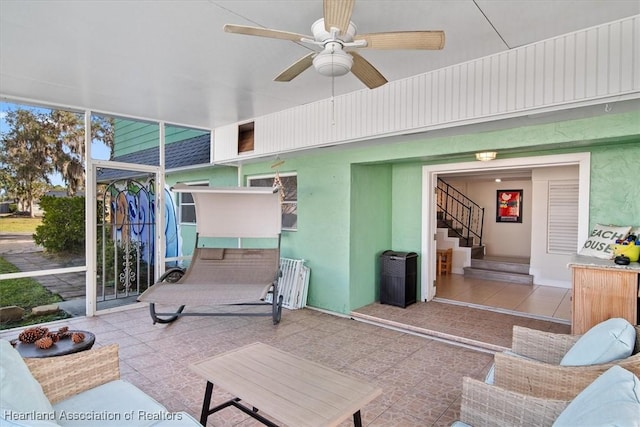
(509, 206)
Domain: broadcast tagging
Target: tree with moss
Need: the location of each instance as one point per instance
(25, 155)
(40, 143)
(69, 145)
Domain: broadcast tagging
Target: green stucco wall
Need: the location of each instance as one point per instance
(371, 220)
(615, 185)
(322, 238)
(355, 202)
(406, 224)
(216, 177)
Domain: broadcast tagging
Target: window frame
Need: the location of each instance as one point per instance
(284, 202)
(180, 203)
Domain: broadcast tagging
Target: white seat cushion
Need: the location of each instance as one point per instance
(19, 391)
(117, 403)
(613, 399)
(29, 422)
(605, 342)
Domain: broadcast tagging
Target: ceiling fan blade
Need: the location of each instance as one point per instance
(264, 32)
(296, 68)
(433, 40)
(366, 72)
(337, 13)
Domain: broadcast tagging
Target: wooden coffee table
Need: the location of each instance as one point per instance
(295, 391)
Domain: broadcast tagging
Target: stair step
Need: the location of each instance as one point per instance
(500, 276)
(454, 232)
(477, 252)
(463, 243)
(488, 264)
(445, 223)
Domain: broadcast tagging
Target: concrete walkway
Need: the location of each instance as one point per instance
(12, 243)
(21, 251)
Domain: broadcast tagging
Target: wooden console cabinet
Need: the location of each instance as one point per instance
(602, 290)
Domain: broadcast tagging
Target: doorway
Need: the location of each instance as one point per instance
(538, 254)
(534, 301)
(129, 206)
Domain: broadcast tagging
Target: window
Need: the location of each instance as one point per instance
(245, 138)
(187, 206)
(290, 201)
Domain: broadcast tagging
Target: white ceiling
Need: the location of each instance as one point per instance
(171, 61)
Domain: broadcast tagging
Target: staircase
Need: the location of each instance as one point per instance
(477, 251)
(463, 220)
(501, 269)
(461, 215)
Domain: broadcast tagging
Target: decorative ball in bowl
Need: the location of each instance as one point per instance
(630, 251)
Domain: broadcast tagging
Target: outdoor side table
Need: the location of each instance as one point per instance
(61, 348)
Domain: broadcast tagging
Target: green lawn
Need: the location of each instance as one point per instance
(26, 293)
(11, 224)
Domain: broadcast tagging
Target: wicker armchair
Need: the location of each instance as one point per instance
(65, 376)
(76, 387)
(485, 405)
(540, 374)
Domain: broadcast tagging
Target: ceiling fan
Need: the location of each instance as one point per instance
(338, 40)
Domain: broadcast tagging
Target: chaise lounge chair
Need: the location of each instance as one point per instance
(226, 276)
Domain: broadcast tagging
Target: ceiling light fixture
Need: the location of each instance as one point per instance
(333, 61)
(485, 156)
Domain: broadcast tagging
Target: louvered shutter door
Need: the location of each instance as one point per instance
(562, 217)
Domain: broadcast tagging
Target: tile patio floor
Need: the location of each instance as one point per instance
(421, 377)
(488, 330)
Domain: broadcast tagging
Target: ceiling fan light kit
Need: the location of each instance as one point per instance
(333, 34)
(333, 63)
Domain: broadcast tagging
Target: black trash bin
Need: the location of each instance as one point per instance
(398, 278)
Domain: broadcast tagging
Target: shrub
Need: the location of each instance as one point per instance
(63, 224)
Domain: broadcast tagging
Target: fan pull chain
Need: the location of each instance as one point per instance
(333, 91)
(333, 102)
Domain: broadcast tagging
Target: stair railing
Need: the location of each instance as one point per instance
(462, 215)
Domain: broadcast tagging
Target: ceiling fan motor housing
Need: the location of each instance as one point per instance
(320, 34)
(333, 61)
